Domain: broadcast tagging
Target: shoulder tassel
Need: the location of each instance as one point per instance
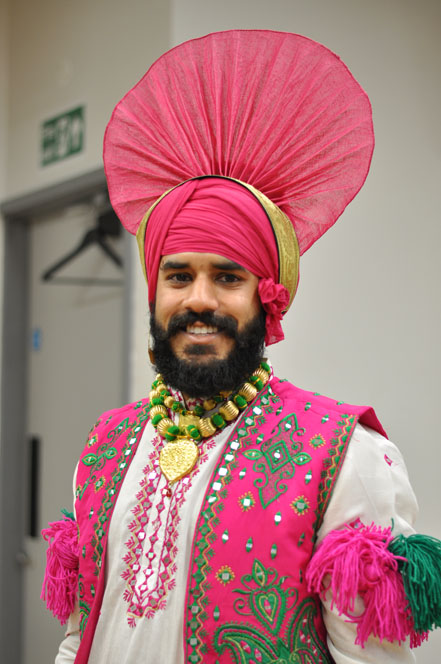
(419, 560)
(61, 577)
(366, 561)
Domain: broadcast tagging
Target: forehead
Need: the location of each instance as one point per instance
(195, 260)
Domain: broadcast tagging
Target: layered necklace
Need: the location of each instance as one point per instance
(180, 453)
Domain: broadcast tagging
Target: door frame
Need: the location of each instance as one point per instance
(17, 212)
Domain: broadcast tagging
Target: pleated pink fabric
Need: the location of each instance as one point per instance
(272, 109)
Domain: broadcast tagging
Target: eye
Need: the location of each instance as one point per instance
(228, 278)
(178, 277)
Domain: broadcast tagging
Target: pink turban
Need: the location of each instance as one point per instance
(273, 110)
(219, 216)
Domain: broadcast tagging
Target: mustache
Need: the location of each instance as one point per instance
(180, 322)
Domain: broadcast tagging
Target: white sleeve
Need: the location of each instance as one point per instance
(68, 649)
(373, 486)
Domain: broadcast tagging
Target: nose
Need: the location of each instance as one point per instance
(201, 295)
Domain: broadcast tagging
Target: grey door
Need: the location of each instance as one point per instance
(75, 372)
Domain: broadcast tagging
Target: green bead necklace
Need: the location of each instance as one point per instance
(180, 453)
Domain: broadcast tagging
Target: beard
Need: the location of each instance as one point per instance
(200, 378)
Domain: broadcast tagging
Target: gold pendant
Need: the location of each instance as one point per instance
(178, 458)
(188, 418)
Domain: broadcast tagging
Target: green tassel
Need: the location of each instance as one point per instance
(68, 515)
(421, 572)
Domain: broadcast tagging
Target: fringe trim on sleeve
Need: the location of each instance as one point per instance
(361, 561)
(61, 577)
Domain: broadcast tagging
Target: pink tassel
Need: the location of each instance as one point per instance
(359, 563)
(418, 638)
(61, 577)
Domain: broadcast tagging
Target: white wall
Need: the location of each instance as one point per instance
(63, 54)
(366, 323)
(68, 53)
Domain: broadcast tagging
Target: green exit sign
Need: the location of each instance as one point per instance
(62, 136)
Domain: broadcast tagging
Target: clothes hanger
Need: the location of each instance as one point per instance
(107, 226)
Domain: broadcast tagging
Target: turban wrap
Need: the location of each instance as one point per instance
(219, 216)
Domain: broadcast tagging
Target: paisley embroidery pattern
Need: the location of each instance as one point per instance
(263, 595)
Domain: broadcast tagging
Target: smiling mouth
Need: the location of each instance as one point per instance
(201, 329)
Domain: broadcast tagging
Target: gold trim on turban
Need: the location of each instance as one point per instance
(286, 239)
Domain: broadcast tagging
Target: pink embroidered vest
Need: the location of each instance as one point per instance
(246, 597)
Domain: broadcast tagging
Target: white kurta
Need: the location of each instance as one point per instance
(373, 485)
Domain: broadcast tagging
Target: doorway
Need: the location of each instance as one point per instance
(64, 354)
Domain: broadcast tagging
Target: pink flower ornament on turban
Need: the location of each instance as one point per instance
(275, 300)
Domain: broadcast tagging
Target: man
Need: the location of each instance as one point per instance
(230, 516)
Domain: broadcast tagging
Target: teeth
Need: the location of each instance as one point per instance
(201, 330)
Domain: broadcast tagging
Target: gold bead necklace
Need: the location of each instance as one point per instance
(180, 453)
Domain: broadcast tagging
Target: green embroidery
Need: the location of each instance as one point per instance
(84, 613)
(99, 460)
(300, 505)
(208, 521)
(246, 501)
(253, 455)
(332, 463)
(263, 595)
(84, 608)
(132, 433)
(225, 575)
(92, 441)
(277, 459)
(118, 430)
(317, 441)
(96, 462)
(99, 483)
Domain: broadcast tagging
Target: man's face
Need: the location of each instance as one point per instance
(208, 326)
(206, 284)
